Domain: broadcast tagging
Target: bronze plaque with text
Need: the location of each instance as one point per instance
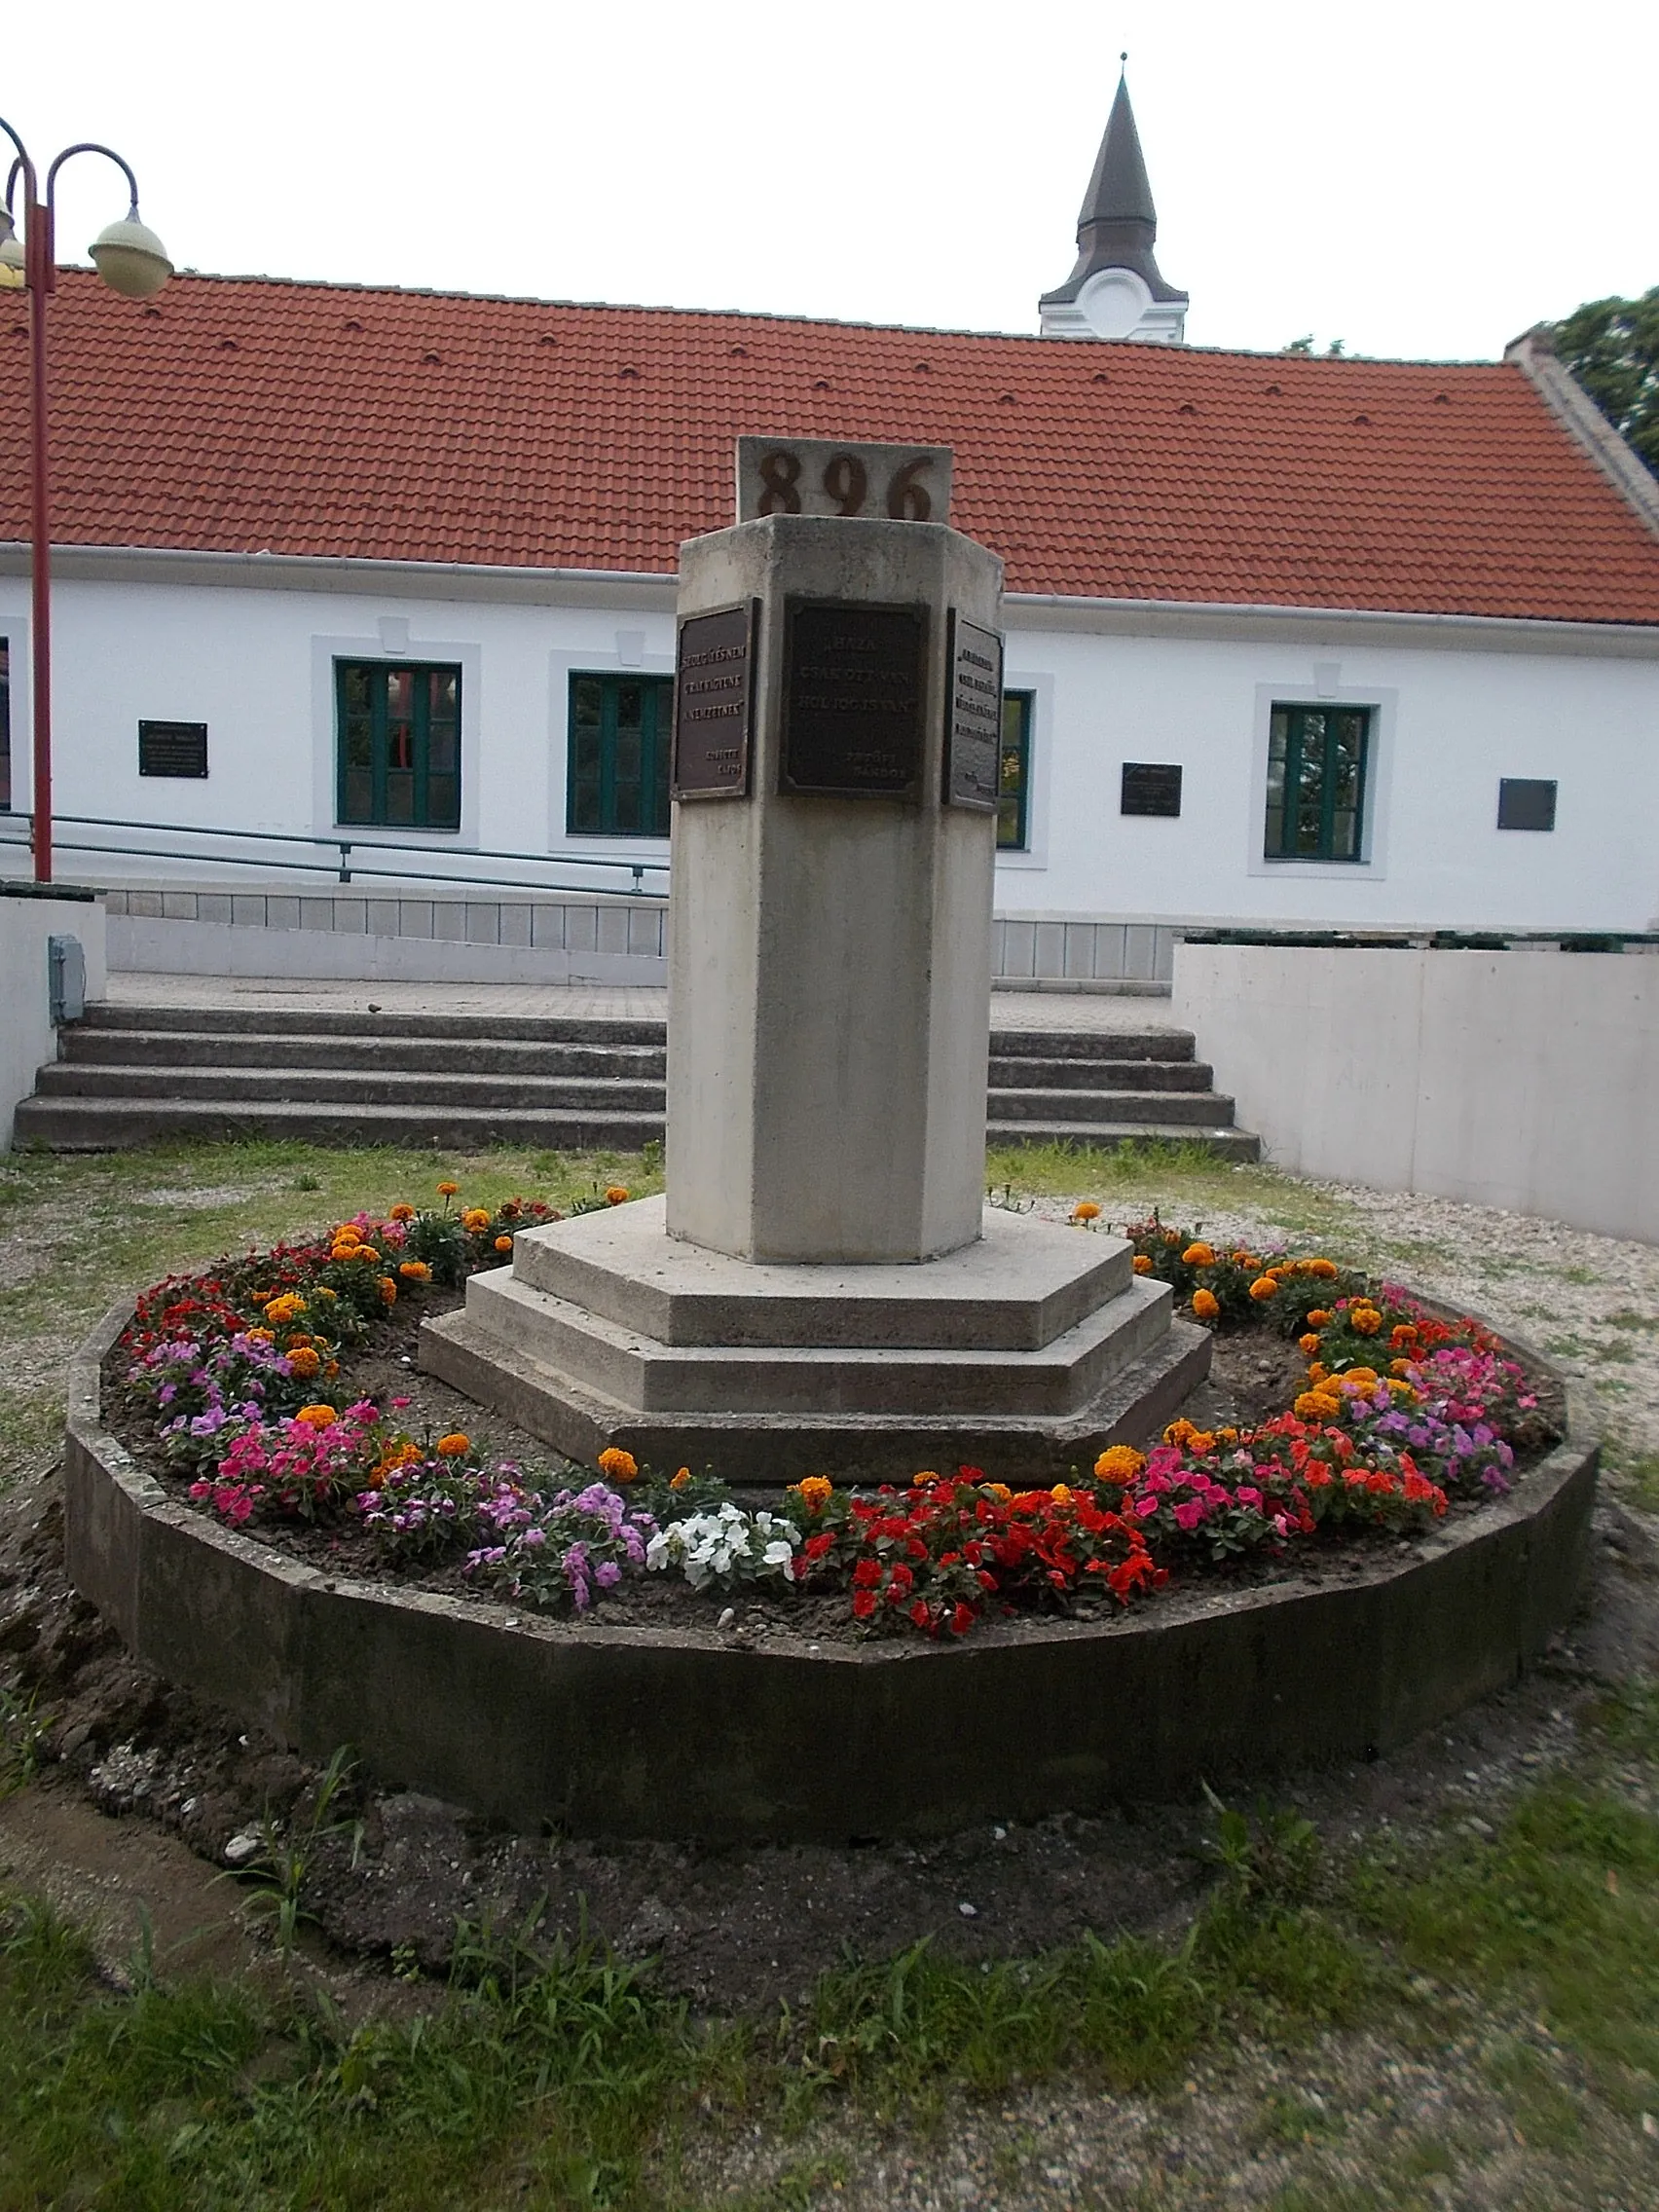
(973, 724)
(714, 691)
(854, 680)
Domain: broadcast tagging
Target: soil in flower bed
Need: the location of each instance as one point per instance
(1255, 1374)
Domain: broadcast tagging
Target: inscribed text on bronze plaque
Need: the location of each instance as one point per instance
(854, 679)
(714, 691)
(973, 725)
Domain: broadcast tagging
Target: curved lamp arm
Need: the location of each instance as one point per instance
(91, 146)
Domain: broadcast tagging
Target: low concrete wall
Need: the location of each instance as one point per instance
(494, 940)
(617, 1732)
(30, 915)
(1525, 1078)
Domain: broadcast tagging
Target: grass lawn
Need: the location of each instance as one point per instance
(1462, 2015)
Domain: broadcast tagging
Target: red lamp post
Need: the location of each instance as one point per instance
(131, 260)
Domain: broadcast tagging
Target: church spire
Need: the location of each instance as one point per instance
(1117, 290)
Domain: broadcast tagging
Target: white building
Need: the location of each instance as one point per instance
(1290, 639)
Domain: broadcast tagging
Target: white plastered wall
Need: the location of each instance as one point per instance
(1523, 1079)
(27, 1038)
(1452, 717)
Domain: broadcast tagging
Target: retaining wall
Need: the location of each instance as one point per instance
(617, 1732)
(1525, 1078)
(30, 915)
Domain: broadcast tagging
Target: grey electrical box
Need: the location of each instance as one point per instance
(66, 978)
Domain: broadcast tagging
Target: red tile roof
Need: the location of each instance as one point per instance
(238, 415)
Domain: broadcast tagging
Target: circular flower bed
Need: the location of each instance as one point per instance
(242, 1380)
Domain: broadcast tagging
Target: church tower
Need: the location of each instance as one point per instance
(1116, 290)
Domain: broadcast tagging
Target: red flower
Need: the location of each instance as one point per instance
(961, 1620)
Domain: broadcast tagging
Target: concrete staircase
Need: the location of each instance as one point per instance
(130, 1074)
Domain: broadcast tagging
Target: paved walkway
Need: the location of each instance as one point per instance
(1010, 1009)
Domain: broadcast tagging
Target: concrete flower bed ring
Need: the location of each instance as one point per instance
(624, 1731)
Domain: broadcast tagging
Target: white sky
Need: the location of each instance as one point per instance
(1416, 179)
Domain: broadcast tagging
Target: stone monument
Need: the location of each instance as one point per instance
(823, 1289)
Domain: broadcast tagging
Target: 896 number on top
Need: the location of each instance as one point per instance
(817, 476)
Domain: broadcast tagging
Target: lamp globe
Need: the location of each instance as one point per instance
(130, 259)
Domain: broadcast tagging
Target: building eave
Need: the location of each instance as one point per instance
(648, 592)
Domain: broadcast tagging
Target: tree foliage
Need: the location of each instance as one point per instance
(1612, 348)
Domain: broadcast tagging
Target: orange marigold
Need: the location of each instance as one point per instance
(680, 1480)
(1320, 1318)
(388, 1291)
(1143, 1266)
(504, 1243)
(1317, 1374)
(616, 1195)
(1119, 1463)
(1179, 1431)
(1316, 1405)
(1359, 1377)
(1326, 1270)
(1085, 1210)
(1264, 1287)
(1309, 1343)
(317, 1416)
(288, 1307)
(1402, 1337)
(814, 1491)
(1061, 1494)
(1206, 1304)
(402, 1211)
(621, 1467)
(455, 1445)
(1365, 1318)
(476, 1220)
(301, 1360)
(1399, 1367)
(415, 1270)
(999, 1491)
(260, 1336)
(1199, 1255)
(448, 1190)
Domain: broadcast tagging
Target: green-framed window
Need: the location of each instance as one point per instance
(398, 744)
(1014, 773)
(1316, 764)
(618, 784)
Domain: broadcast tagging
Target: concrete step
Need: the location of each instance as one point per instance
(414, 1092)
(255, 1048)
(108, 1125)
(1196, 1108)
(1226, 1144)
(1092, 1044)
(334, 1021)
(1069, 1073)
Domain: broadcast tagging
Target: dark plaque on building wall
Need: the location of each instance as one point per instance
(1151, 787)
(972, 721)
(172, 749)
(854, 679)
(714, 693)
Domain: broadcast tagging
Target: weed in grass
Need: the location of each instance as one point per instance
(541, 2080)
(1288, 2119)
(288, 1853)
(1560, 1911)
(1544, 2113)
(1639, 1472)
(1580, 1275)
(1625, 1318)
(23, 1730)
(1615, 1354)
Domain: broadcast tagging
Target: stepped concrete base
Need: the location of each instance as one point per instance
(1020, 1285)
(1023, 1353)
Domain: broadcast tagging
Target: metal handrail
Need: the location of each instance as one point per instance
(345, 867)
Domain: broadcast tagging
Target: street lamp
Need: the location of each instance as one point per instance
(131, 261)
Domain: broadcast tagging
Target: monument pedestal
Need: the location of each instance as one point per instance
(823, 1291)
(1024, 1352)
